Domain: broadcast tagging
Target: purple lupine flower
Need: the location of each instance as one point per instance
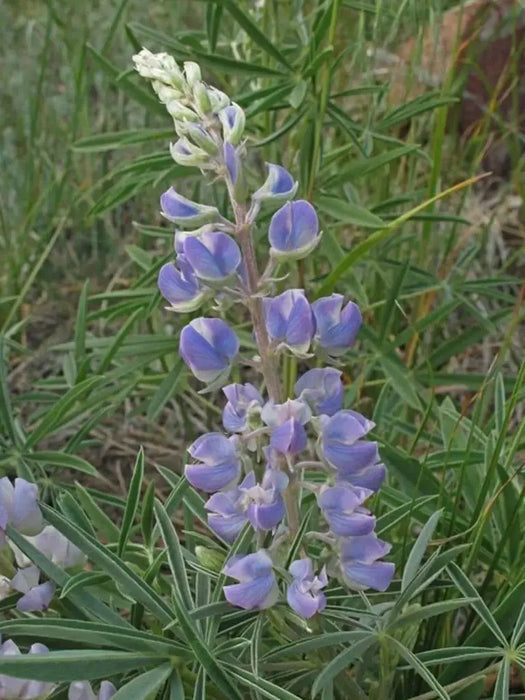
(359, 562)
(19, 507)
(258, 587)
(264, 503)
(305, 594)
(217, 463)
(244, 401)
(279, 185)
(214, 256)
(336, 327)
(289, 320)
(227, 513)
(294, 231)
(184, 211)
(231, 161)
(233, 121)
(342, 507)
(36, 596)
(180, 286)
(287, 421)
(322, 390)
(208, 346)
(13, 688)
(339, 435)
(363, 467)
(82, 690)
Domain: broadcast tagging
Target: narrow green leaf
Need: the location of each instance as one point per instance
(62, 459)
(314, 644)
(175, 557)
(67, 666)
(255, 34)
(83, 579)
(338, 664)
(349, 212)
(418, 550)
(479, 605)
(142, 687)
(419, 668)
(165, 390)
(132, 503)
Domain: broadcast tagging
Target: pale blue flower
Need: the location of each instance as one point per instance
(279, 185)
(180, 286)
(217, 465)
(294, 231)
(208, 346)
(36, 596)
(184, 211)
(214, 256)
(289, 320)
(336, 327)
(19, 507)
(264, 503)
(342, 507)
(244, 402)
(227, 513)
(82, 690)
(14, 688)
(321, 389)
(305, 595)
(258, 587)
(359, 562)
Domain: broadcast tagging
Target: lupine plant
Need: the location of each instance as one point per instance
(278, 444)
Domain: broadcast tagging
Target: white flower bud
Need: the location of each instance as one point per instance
(192, 72)
(184, 152)
(159, 66)
(219, 100)
(180, 112)
(166, 93)
(201, 99)
(199, 136)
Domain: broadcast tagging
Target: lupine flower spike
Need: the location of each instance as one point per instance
(254, 474)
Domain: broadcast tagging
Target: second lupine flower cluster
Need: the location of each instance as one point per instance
(273, 451)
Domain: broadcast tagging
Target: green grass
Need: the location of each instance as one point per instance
(91, 372)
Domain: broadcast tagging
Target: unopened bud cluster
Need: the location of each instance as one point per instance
(274, 448)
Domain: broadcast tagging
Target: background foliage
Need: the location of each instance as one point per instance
(90, 371)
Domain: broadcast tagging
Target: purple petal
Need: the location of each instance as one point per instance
(260, 593)
(289, 438)
(300, 325)
(302, 568)
(210, 478)
(365, 549)
(37, 599)
(231, 160)
(322, 390)
(174, 287)
(26, 516)
(249, 566)
(212, 448)
(214, 256)
(293, 227)
(370, 478)
(304, 603)
(279, 185)
(227, 527)
(266, 516)
(377, 575)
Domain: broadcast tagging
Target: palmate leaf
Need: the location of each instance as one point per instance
(124, 576)
(67, 666)
(342, 661)
(419, 668)
(183, 602)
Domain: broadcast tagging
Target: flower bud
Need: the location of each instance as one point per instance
(201, 99)
(166, 93)
(233, 121)
(184, 152)
(185, 212)
(294, 231)
(279, 185)
(208, 346)
(218, 100)
(180, 112)
(210, 558)
(198, 136)
(159, 66)
(192, 72)
(214, 256)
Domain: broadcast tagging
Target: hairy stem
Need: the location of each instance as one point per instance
(269, 365)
